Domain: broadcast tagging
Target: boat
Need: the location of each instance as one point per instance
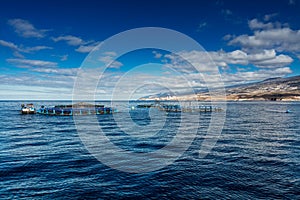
(145, 106)
(76, 109)
(28, 109)
(170, 108)
(179, 108)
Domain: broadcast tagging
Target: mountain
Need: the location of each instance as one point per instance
(272, 89)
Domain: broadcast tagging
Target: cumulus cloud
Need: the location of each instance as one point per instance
(262, 56)
(276, 62)
(157, 54)
(69, 39)
(87, 47)
(38, 84)
(264, 64)
(57, 71)
(25, 29)
(18, 54)
(263, 59)
(82, 45)
(109, 59)
(228, 37)
(9, 45)
(137, 83)
(17, 49)
(250, 76)
(31, 63)
(255, 24)
(269, 36)
(47, 75)
(207, 61)
(47, 81)
(36, 89)
(36, 48)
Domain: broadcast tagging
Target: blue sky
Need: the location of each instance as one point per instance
(43, 43)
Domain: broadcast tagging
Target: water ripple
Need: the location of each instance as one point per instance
(257, 156)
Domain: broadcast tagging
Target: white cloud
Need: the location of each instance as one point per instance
(109, 59)
(18, 55)
(57, 71)
(9, 45)
(22, 49)
(277, 37)
(138, 83)
(228, 37)
(70, 40)
(26, 29)
(276, 62)
(198, 61)
(156, 54)
(207, 61)
(30, 92)
(61, 57)
(84, 46)
(264, 59)
(250, 76)
(180, 76)
(262, 56)
(235, 57)
(31, 63)
(250, 66)
(148, 83)
(36, 48)
(48, 81)
(110, 53)
(267, 64)
(87, 48)
(255, 24)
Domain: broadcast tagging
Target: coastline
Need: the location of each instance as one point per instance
(230, 97)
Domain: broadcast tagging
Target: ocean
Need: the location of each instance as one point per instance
(256, 156)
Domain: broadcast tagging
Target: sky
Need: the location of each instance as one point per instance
(44, 44)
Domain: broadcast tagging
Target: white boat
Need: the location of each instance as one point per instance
(28, 109)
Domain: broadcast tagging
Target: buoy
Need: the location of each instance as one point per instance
(288, 111)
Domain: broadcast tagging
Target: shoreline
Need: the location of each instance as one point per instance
(228, 98)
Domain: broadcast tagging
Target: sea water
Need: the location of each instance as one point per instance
(257, 155)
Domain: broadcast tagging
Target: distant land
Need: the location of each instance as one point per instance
(273, 89)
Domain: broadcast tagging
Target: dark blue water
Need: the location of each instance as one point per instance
(256, 156)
